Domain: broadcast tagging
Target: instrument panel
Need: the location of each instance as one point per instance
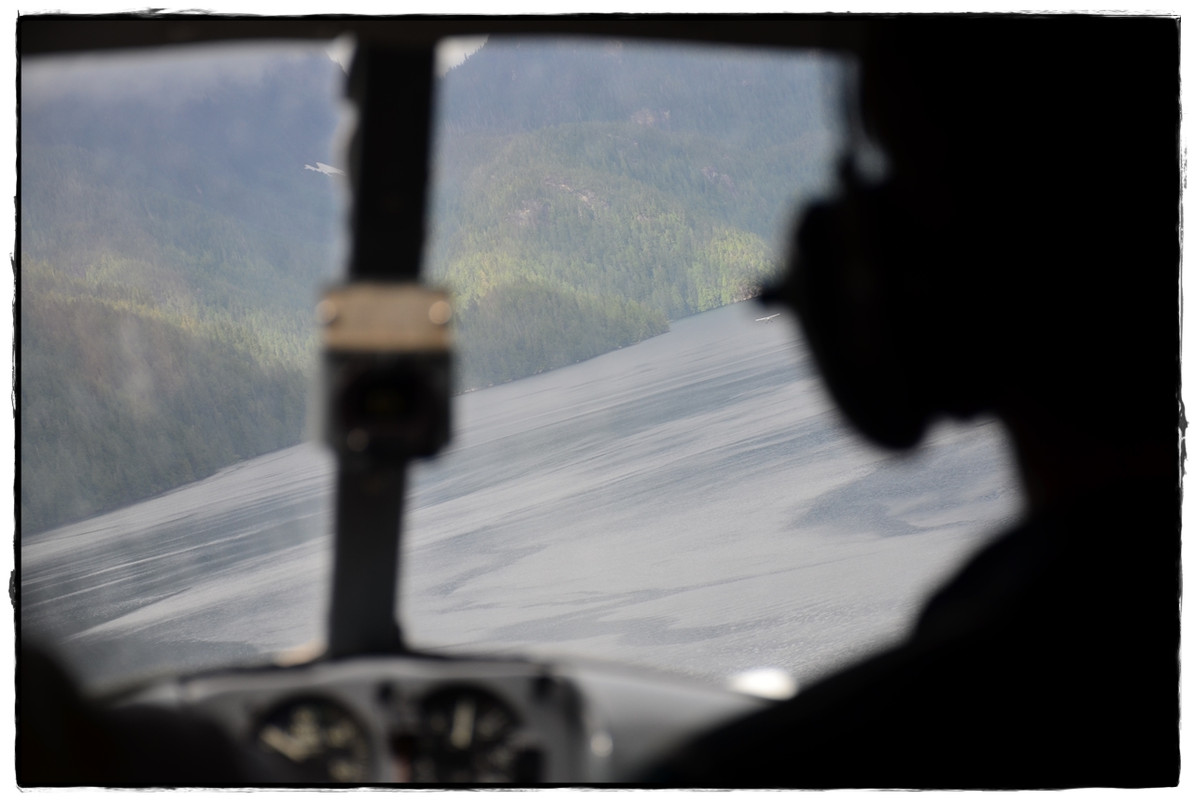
(463, 734)
(434, 721)
(471, 736)
(319, 737)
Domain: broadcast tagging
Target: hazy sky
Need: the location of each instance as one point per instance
(187, 72)
(180, 75)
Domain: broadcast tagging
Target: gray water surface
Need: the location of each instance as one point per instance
(691, 503)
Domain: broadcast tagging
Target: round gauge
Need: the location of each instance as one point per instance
(468, 736)
(320, 737)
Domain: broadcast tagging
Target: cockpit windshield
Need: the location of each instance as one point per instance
(644, 468)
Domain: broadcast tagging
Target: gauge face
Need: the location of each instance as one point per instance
(320, 737)
(468, 737)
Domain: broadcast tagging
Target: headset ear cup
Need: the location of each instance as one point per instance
(856, 316)
(954, 315)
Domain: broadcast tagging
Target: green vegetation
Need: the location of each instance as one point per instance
(521, 326)
(636, 186)
(168, 264)
(172, 244)
(120, 400)
(625, 243)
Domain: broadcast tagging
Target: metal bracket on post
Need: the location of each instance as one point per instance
(386, 347)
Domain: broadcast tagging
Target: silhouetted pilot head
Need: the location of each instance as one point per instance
(1019, 255)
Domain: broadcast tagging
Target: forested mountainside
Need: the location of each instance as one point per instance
(645, 184)
(173, 242)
